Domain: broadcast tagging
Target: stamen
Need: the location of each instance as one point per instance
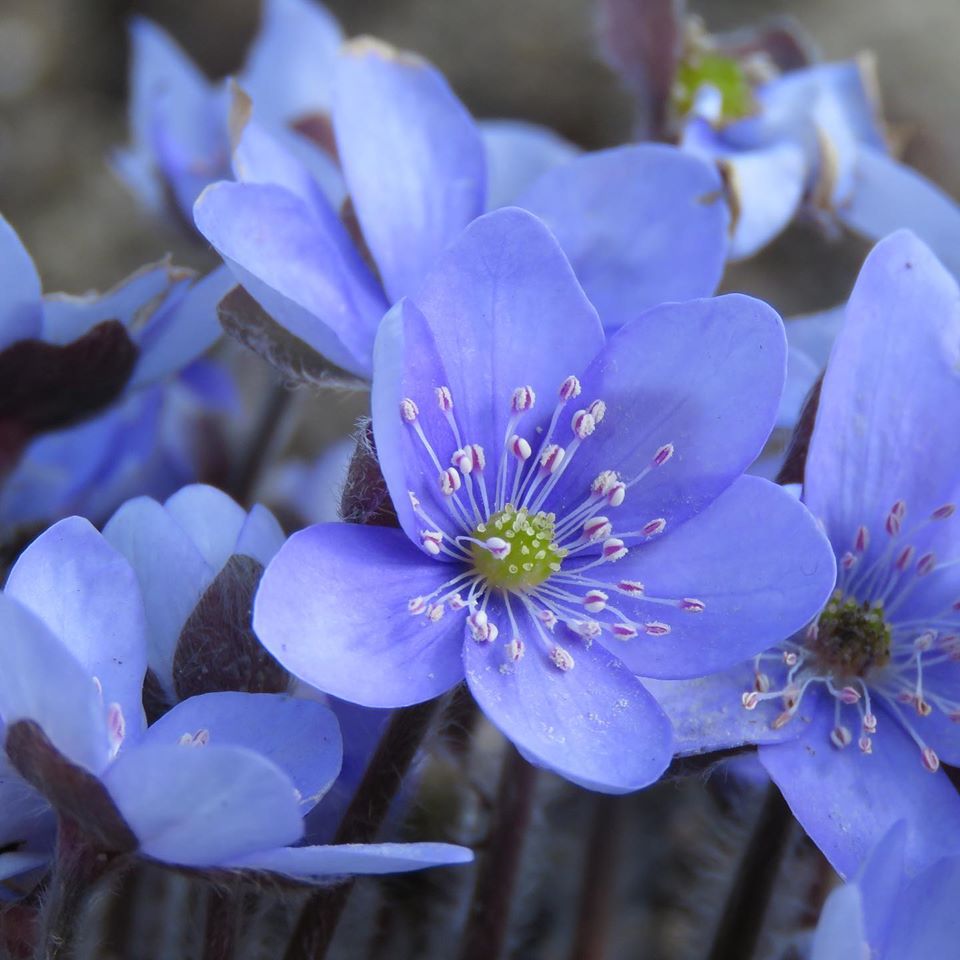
(663, 455)
(595, 601)
(561, 659)
(523, 399)
(570, 389)
(583, 424)
(431, 541)
(656, 628)
(409, 411)
(692, 605)
(444, 399)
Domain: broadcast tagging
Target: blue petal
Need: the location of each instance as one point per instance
(705, 376)
(755, 558)
(260, 536)
(88, 595)
(887, 195)
(289, 69)
(840, 934)
(518, 153)
(641, 225)
(500, 310)
(211, 519)
(43, 682)
(20, 309)
(359, 858)
(846, 800)
(302, 737)
(392, 104)
(881, 434)
(924, 923)
(594, 723)
(299, 265)
(332, 608)
(203, 806)
(707, 713)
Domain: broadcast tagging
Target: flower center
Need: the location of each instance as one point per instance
(722, 73)
(851, 638)
(515, 549)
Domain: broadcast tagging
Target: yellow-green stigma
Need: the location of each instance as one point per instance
(532, 558)
(725, 74)
(851, 637)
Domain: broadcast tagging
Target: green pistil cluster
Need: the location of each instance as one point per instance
(724, 73)
(852, 637)
(533, 555)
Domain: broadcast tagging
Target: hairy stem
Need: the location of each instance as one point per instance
(487, 921)
(599, 879)
(743, 914)
(370, 805)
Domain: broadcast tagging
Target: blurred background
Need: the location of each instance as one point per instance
(63, 75)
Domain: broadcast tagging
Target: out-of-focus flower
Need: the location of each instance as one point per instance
(641, 225)
(179, 120)
(509, 567)
(64, 358)
(887, 914)
(221, 781)
(868, 696)
(153, 442)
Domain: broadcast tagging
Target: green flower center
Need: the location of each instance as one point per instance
(533, 557)
(723, 73)
(851, 638)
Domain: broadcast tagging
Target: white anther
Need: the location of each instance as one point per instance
(561, 659)
(431, 541)
(582, 424)
(417, 605)
(924, 642)
(865, 744)
(548, 618)
(656, 628)
(944, 512)
(613, 549)
(435, 612)
(462, 460)
(116, 727)
(551, 458)
(594, 601)
(603, 482)
(930, 760)
(515, 649)
(862, 540)
(588, 629)
(597, 410)
(624, 631)
(409, 411)
(750, 700)
(520, 448)
(444, 399)
(616, 493)
(498, 547)
(848, 561)
(790, 658)
(895, 518)
(926, 564)
(841, 736)
(869, 723)
(569, 389)
(653, 527)
(761, 682)
(663, 455)
(449, 482)
(692, 605)
(414, 500)
(479, 457)
(633, 588)
(849, 695)
(523, 399)
(456, 602)
(597, 528)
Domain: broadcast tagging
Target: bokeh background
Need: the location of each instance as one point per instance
(63, 68)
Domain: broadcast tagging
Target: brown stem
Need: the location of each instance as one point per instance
(487, 921)
(370, 805)
(742, 921)
(599, 879)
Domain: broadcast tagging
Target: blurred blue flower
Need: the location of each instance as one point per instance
(869, 694)
(503, 570)
(888, 914)
(641, 225)
(221, 781)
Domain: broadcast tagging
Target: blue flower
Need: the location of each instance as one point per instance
(888, 914)
(641, 225)
(180, 137)
(151, 442)
(167, 314)
(573, 511)
(222, 780)
(866, 699)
